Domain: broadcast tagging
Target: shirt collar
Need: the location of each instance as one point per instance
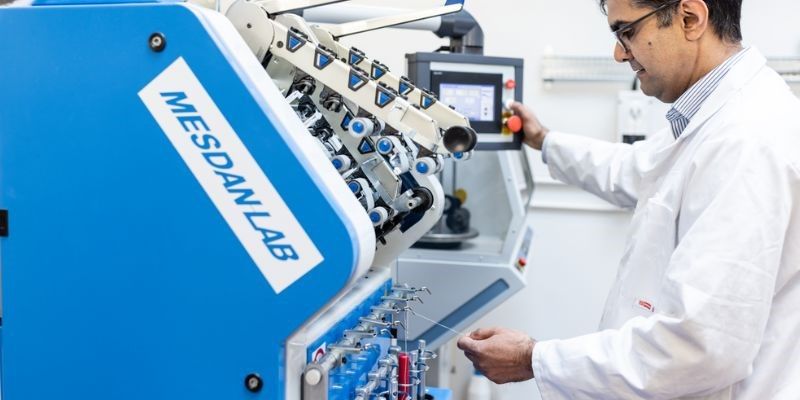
(689, 103)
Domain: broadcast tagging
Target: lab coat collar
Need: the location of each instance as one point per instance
(739, 75)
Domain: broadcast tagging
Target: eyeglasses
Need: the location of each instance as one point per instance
(624, 32)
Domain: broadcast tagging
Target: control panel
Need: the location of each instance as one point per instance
(477, 86)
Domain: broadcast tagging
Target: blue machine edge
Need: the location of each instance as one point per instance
(82, 317)
(97, 2)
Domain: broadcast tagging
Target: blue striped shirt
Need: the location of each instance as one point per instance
(690, 102)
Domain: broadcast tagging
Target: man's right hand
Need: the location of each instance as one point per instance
(534, 131)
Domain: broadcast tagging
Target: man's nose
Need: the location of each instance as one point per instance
(620, 55)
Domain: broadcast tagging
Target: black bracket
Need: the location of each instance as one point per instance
(3, 223)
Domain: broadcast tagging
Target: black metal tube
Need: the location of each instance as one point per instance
(465, 33)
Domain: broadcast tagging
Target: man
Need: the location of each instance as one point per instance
(707, 299)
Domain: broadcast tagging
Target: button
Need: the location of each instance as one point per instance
(511, 84)
(522, 262)
(365, 146)
(313, 377)
(514, 123)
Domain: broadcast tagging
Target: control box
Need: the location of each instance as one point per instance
(476, 86)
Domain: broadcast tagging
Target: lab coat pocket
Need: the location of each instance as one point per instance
(647, 258)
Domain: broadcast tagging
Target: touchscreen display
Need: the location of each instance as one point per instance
(475, 102)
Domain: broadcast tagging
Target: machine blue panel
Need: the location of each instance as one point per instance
(440, 394)
(76, 2)
(116, 255)
(345, 379)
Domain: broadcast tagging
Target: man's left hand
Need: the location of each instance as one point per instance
(502, 355)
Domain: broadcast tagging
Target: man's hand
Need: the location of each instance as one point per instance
(500, 354)
(534, 131)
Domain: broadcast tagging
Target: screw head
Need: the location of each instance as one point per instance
(253, 383)
(157, 42)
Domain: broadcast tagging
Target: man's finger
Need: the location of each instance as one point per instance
(483, 333)
(520, 109)
(467, 344)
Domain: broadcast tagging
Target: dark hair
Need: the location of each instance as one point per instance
(725, 15)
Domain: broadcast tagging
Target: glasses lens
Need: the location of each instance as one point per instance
(621, 41)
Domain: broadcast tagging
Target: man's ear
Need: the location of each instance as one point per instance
(693, 19)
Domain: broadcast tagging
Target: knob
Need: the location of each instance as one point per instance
(313, 377)
(514, 123)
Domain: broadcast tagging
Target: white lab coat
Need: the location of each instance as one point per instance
(707, 298)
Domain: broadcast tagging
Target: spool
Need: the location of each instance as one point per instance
(360, 127)
(425, 166)
(404, 376)
(341, 163)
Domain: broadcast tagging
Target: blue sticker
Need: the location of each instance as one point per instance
(383, 97)
(405, 88)
(322, 60)
(294, 43)
(426, 101)
(355, 58)
(378, 72)
(366, 147)
(346, 121)
(356, 81)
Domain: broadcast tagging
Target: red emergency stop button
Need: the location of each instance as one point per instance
(514, 123)
(522, 262)
(511, 84)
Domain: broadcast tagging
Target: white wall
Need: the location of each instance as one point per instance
(575, 251)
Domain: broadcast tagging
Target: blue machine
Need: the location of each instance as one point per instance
(121, 280)
(168, 224)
